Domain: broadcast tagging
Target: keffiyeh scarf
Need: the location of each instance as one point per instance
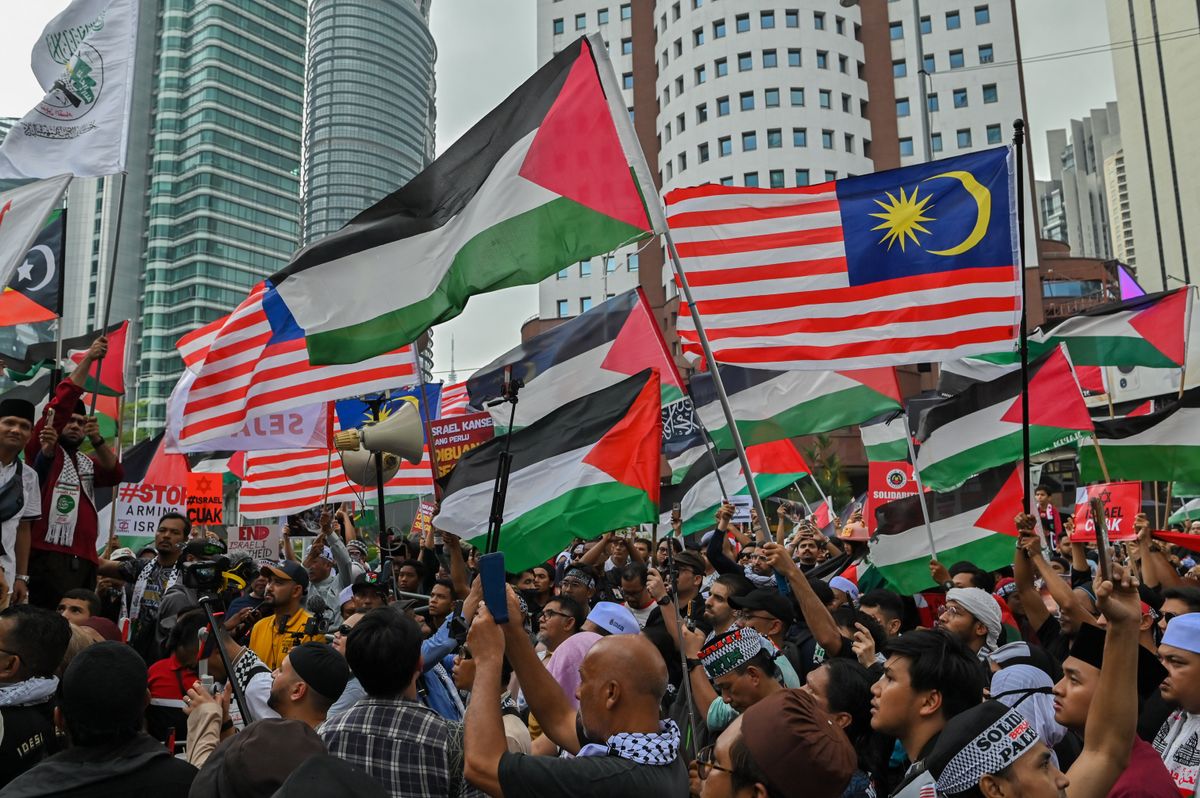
(1178, 743)
(660, 748)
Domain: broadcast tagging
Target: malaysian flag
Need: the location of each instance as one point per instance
(454, 400)
(905, 266)
(289, 481)
(254, 362)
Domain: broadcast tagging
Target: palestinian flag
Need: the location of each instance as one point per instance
(776, 465)
(773, 405)
(40, 355)
(981, 427)
(1160, 446)
(539, 183)
(585, 468)
(973, 522)
(592, 351)
(886, 440)
(112, 368)
(35, 291)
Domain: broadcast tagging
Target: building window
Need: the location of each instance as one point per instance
(993, 134)
(906, 146)
(899, 69)
(702, 152)
(724, 146)
(849, 142)
(896, 30)
(558, 27)
(802, 177)
(585, 268)
(926, 25)
(932, 100)
(797, 97)
(844, 64)
(750, 179)
(985, 54)
(827, 139)
(602, 16)
(563, 308)
(846, 102)
(902, 106)
(627, 11)
(794, 57)
(678, 47)
(799, 137)
(701, 113)
(627, 80)
(953, 20)
(585, 304)
(698, 37)
(937, 142)
(839, 25)
(956, 59)
(766, 19)
(722, 106)
(770, 59)
(822, 59)
(775, 178)
(610, 264)
(982, 15)
(631, 262)
(830, 174)
(719, 29)
(683, 162)
(819, 20)
(680, 123)
(745, 62)
(679, 86)
(791, 18)
(580, 21)
(722, 65)
(725, 181)
(701, 74)
(964, 138)
(929, 64)
(627, 47)
(960, 98)
(989, 93)
(746, 99)
(742, 23)
(825, 96)
(749, 141)
(771, 98)
(774, 138)
(563, 274)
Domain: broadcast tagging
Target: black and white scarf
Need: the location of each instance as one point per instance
(659, 748)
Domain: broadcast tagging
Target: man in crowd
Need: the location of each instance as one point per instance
(389, 733)
(78, 605)
(744, 667)
(308, 682)
(441, 602)
(886, 607)
(633, 589)
(579, 584)
(20, 499)
(290, 625)
(1178, 741)
(32, 643)
(719, 614)
(179, 598)
(561, 618)
(63, 546)
(972, 616)
(770, 613)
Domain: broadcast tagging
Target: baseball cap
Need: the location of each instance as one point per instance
(287, 569)
(690, 559)
(123, 553)
(614, 618)
(370, 581)
(789, 727)
(771, 602)
(324, 669)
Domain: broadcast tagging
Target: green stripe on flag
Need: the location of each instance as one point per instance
(912, 576)
(822, 414)
(951, 472)
(1153, 463)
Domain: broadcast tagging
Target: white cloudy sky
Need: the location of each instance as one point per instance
(486, 48)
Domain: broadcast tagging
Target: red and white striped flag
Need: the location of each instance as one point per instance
(288, 481)
(255, 363)
(454, 399)
(811, 278)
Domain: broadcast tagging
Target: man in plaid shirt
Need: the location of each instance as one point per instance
(389, 734)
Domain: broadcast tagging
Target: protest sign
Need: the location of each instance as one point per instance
(205, 503)
(741, 508)
(887, 482)
(424, 518)
(453, 437)
(1122, 502)
(260, 541)
(140, 505)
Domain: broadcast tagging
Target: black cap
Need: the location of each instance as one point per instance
(20, 408)
(771, 602)
(322, 668)
(690, 559)
(106, 684)
(370, 581)
(286, 569)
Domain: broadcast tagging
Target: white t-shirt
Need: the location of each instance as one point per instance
(31, 511)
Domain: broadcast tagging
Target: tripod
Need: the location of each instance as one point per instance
(222, 636)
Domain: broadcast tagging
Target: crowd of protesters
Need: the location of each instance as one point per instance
(744, 662)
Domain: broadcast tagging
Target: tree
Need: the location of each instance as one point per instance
(827, 471)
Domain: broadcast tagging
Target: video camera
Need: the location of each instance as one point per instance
(205, 576)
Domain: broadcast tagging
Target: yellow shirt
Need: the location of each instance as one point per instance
(272, 646)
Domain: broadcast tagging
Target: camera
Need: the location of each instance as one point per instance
(205, 576)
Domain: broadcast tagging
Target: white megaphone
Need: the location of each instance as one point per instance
(400, 433)
(359, 466)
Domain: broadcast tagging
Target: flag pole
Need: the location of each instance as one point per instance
(912, 455)
(1018, 142)
(57, 372)
(423, 408)
(658, 220)
(112, 279)
(712, 456)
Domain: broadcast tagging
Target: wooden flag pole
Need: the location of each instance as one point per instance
(1100, 458)
(1018, 142)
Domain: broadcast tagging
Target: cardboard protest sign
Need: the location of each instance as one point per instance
(205, 502)
(455, 436)
(1122, 502)
(260, 541)
(139, 506)
(424, 518)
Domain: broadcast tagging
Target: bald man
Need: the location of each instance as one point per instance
(619, 745)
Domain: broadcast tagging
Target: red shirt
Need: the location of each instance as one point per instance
(1145, 777)
(170, 679)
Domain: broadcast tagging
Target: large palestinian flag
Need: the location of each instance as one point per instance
(973, 522)
(592, 351)
(1161, 446)
(773, 405)
(981, 427)
(776, 465)
(539, 183)
(588, 467)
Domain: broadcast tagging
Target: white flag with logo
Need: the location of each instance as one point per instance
(84, 63)
(23, 213)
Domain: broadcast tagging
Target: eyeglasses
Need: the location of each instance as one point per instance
(465, 652)
(951, 610)
(551, 614)
(706, 762)
(1168, 616)
(747, 615)
(343, 630)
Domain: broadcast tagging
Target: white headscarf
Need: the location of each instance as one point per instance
(1030, 687)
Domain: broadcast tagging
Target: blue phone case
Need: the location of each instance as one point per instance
(495, 593)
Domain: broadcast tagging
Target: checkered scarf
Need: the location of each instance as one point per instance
(659, 748)
(993, 749)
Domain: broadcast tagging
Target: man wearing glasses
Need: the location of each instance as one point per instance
(973, 616)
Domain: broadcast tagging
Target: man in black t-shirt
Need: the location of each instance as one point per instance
(32, 643)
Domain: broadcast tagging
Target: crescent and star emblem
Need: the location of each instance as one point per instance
(903, 216)
(25, 270)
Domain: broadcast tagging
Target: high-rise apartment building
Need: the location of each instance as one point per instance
(369, 111)
(1077, 156)
(1120, 214)
(1156, 62)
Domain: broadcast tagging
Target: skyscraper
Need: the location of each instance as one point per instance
(369, 110)
(1077, 156)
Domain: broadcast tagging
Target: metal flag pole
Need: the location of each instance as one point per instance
(712, 456)
(424, 409)
(1018, 141)
(112, 279)
(658, 220)
(912, 454)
